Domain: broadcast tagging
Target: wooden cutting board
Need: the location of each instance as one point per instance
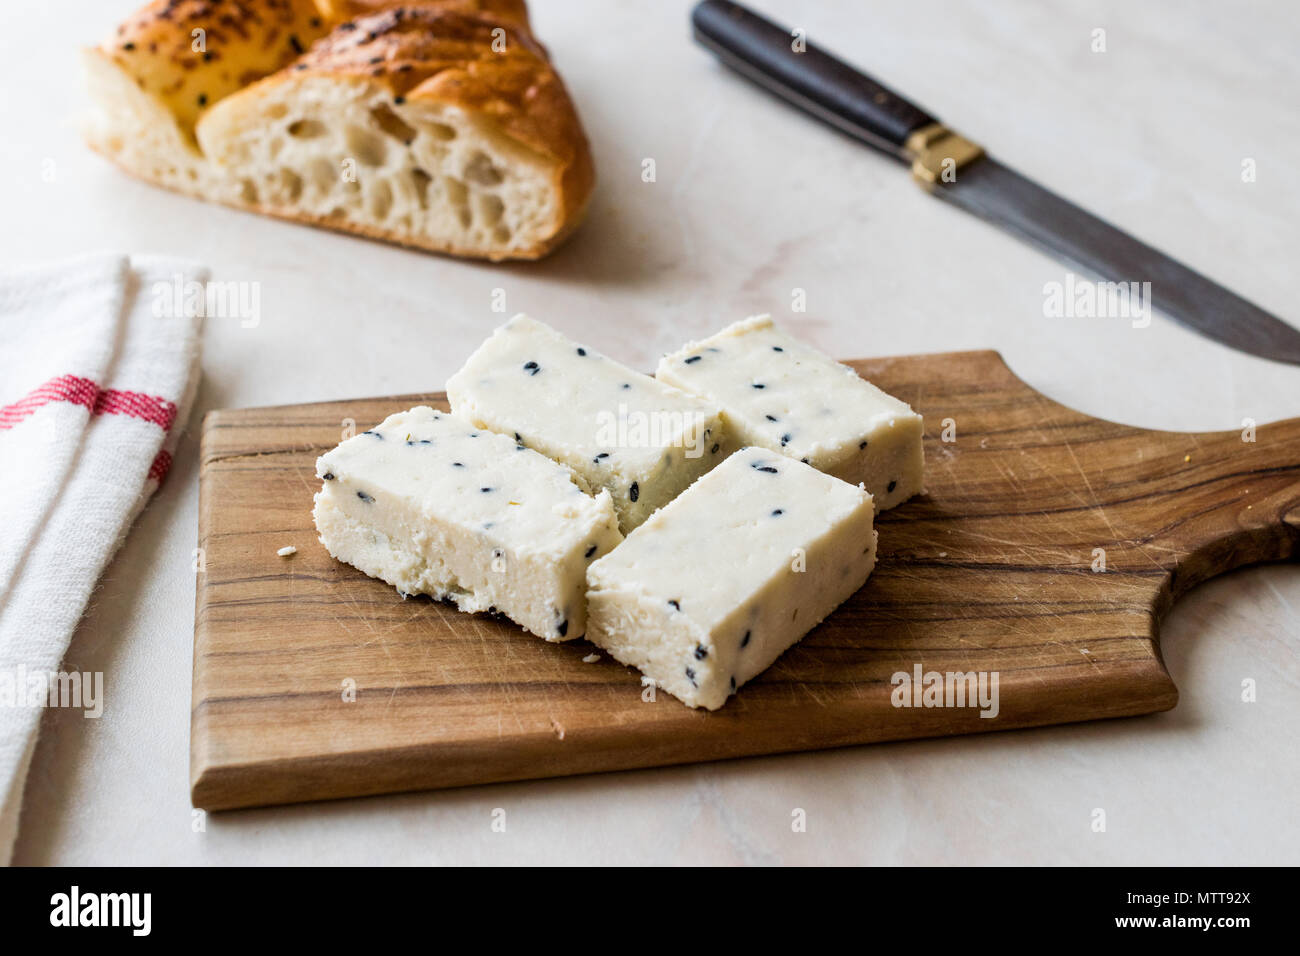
(992, 569)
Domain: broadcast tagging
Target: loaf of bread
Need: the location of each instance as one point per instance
(439, 124)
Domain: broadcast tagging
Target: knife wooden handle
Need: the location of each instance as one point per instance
(809, 78)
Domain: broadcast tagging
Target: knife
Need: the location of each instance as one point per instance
(957, 170)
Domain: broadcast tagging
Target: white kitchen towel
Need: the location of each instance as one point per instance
(98, 367)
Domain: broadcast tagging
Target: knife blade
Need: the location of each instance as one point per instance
(958, 171)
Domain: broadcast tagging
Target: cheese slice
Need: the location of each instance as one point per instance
(715, 586)
(776, 392)
(433, 505)
(642, 441)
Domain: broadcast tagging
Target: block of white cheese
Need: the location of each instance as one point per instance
(434, 505)
(777, 393)
(641, 440)
(716, 585)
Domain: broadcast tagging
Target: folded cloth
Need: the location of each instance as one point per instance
(98, 367)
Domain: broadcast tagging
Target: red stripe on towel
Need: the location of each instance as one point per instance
(150, 408)
(162, 463)
(65, 388)
(82, 391)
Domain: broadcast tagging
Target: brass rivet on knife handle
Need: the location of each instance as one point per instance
(936, 150)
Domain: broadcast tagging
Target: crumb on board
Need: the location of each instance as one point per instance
(287, 550)
(591, 658)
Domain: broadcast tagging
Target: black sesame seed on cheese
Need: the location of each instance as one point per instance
(485, 490)
(634, 492)
(375, 434)
(365, 497)
(771, 418)
(128, 46)
(675, 604)
(714, 449)
(690, 675)
(329, 476)
(532, 368)
(891, 486)
(626, 386)
(458, 464)
(582, 351)
(701, 652)
(785, 439)
(778, 512)
(295, 43)
(757, 385)
(694, 358)
(861, 445)
(745, 640)
(203, 99)
(759, 466)
(590, 551)
(777, 348)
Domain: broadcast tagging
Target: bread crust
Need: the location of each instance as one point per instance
(191, 54)
(515, 11)
(478, 57)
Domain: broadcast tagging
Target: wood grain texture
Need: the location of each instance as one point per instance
(989, 570)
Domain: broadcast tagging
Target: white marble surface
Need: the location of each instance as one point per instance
(752, 201)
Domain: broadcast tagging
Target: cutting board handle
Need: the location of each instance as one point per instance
(1190, 504)
(1238, 500)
